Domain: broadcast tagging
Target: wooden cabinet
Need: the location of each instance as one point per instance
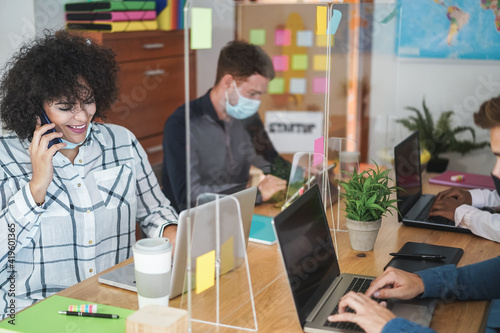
(151, 82)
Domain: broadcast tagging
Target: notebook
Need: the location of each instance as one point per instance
(414, 206)
(135, 15)
(262, 230)
(452, 256)
(469, 180)
(204, 223)
(313, 271)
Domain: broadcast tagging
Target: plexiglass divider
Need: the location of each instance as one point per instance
(220, 289)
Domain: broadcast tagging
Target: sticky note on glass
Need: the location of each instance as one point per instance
(280, 63)
(298, 86)
(257, 36)
(276, 86)
(205, 271)
(319, 62)
(319, 85)
(227, 255)
(299, 62)
(319, 148)
(322, 40)
(201, 28)
(305, 38)
(282, 37)
(334, 22)
(321, 13)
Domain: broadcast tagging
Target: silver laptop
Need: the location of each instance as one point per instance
(414, 207)
(313, 271)
(204, 224)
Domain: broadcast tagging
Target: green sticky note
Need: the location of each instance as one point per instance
(257, 36)
(299, 62)
(201, 28)
(44, 317)
(205, 271)
(277, 86)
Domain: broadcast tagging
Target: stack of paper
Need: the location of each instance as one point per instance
(111, 16)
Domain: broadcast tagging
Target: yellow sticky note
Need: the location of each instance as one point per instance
(205, 271)
(321, 13)
(322, 40)
(227, 255)
(319, 62)
(201, 28)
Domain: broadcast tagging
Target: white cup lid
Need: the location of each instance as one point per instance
(152, 245)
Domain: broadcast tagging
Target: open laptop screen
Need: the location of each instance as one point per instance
(307, 250)
(408, 177)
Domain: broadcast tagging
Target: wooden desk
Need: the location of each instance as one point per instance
(274, 304)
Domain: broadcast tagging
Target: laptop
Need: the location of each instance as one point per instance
(204, 224)
(313, 271)
(414, 207)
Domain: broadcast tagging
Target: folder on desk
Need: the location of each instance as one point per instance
(469, 180)
(113, 26)
(133, 15)
(261, 230)
(43, 317)
(452, 256)
(106, 6)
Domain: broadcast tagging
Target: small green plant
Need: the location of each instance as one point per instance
(368, 194)
(440, 137)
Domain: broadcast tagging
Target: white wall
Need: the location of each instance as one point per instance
(458, 85)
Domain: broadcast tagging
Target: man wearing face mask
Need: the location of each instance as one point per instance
(464, 206)
(221, 149)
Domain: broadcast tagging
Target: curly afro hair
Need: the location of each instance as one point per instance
(59, 65)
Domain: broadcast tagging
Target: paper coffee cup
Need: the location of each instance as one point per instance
(152, 260)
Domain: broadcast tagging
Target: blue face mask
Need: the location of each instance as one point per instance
(71, 145)
(245, 107)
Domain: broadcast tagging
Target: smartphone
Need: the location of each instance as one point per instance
(45, 120)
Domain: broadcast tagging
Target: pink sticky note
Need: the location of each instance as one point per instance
(319, 149)
(283, 37)
(280, 63)
(319, 85)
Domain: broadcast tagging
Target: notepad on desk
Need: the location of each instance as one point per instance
(467, 180)
(44, 317)
(261, 230)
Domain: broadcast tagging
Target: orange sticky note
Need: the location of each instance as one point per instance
(321, 13)
(205, 271)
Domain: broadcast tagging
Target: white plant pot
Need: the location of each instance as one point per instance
(363, 234)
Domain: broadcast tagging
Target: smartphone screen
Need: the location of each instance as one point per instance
(45, 120)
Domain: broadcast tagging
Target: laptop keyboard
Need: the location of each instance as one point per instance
(357, 285)
(424, 216)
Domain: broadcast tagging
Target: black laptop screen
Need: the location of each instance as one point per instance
(307, 250)
(407, 164)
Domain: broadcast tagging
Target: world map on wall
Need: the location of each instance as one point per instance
(453, 29)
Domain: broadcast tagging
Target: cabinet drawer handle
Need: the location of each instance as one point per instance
(154, 72)
(153, 46)
(154, 149)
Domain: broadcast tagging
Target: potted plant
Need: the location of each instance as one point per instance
(440, 137)
(367, 197)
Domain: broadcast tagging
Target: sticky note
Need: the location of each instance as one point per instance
(321, 13)
(319, 149)
(257, 36)
(276, 86)
(205, 271)
(227, 255)
(201, 28)
(322, 40)
(280, 63)
(320, 62)
(305, 38)
(298, 86)
(319, 85)
(334, 22)
(299, 62)
(282, 37)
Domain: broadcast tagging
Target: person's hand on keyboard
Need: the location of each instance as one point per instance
(396, 283)
(369, 315)
(461, 195)
(445, 207)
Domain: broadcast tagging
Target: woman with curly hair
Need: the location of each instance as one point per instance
(68, 210)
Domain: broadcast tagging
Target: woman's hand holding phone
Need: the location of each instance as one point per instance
(41, 159)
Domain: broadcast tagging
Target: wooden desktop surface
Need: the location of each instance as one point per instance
(273, 300)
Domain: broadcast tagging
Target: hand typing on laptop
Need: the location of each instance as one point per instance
(448, 201)
(370, 315)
